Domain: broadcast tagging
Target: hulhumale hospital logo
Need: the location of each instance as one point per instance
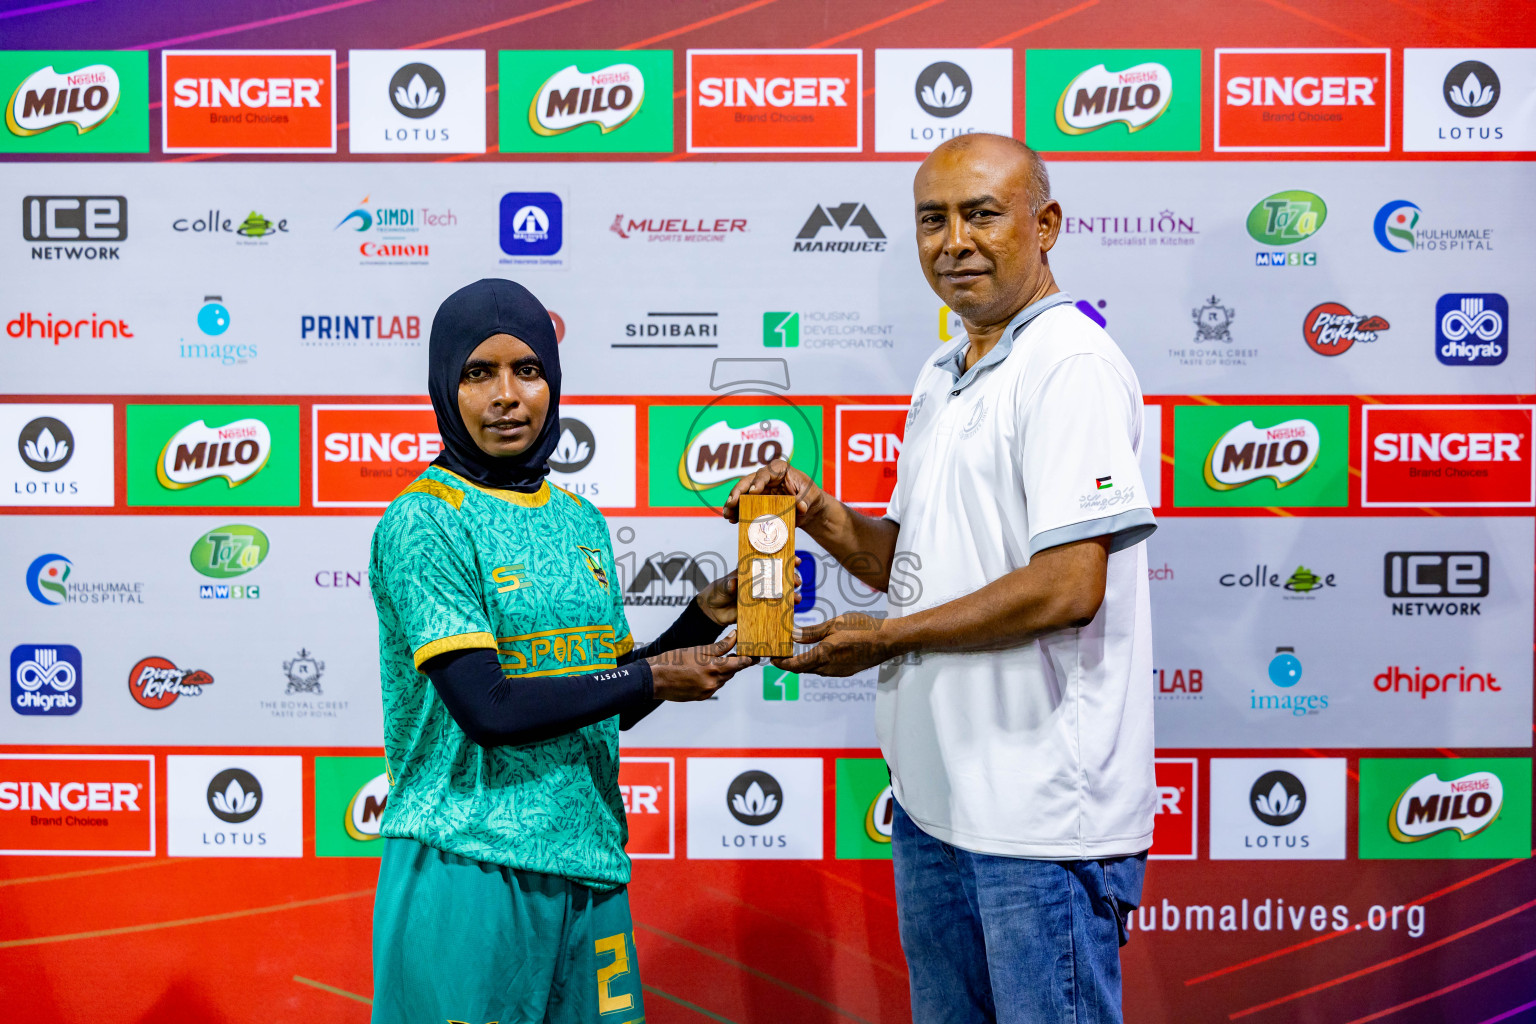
(1398, 229)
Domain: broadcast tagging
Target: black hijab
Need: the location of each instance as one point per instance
(465, 319)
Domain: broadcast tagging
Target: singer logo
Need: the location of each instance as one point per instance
(868, 442)
(236, 451)
(364, 455)
(1177, 818)
(77, 805)
(1247, 453)
(1303, 100)
(226, 101)
(1448, 455)
(645, 783)
(775, 101)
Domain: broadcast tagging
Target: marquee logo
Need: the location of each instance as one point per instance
(47, 99)
(236, 452)
(767, 101)
(842, 219)
(1303, 100)
(570, 98)
(156, 682)
(1472, 329)
(1450, 455)
(1246, 453)
(1261, 456)
(1330, 329)
(100, 804)
(1432, 805)
(245, 101)
(1134, 97)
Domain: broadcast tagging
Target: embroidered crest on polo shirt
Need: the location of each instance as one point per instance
(1107, 498)
(978, 417)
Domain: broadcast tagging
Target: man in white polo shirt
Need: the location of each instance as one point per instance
(1014, 704)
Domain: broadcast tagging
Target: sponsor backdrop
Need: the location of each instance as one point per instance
(227, 230)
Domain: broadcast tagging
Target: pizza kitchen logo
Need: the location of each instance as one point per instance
(156, 682)
(1331, 329)
(197, 452)
(1245, 453)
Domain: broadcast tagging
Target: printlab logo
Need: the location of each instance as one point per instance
(943, 89)
(1330, 329)
(842, 219)
(576, 447)
(1277, 798)
(46, 680)
(303, 672)
(1471, 88)
(234, 795)
(417, 90)
(532, 226)
(754, 798)
(74, 219)
(46, 444)
(1472, 329)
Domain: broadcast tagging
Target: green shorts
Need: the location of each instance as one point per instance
(458, 940)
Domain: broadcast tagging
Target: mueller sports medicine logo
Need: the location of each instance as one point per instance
(841, 220)
(47, 99)
(1247, 453)
(226, 101)
(1472, 329)
(570, 98)
(156, 682)
(79, 224)
(46, 679)
(1450, 455)
(54, 804)
(364, 455)
(236, 451)
(1097, 97)
(1331, 329)
(764, 101)
(678, 229)
(1433, 805)
(1303, 100)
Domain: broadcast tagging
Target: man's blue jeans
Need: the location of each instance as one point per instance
(1008, 940)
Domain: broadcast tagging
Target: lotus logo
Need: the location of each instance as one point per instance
(197, 452)
(721, 452)
(1287, 217)
(45, 444)
(234, 795)
(1282, 453)
(417, 90)
(571, 98)
(1394, 225)
(754, 798)
(575, 449)
(1471, 88)
(943, 89)
(1466, 806)
(365, 811)
(47, 99)
(46, 578)
(1134, 97)
(1277, 798)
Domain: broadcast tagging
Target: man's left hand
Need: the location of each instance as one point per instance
(845, 645)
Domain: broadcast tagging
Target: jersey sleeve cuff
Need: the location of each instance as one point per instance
(1124, 529)
(458, 642)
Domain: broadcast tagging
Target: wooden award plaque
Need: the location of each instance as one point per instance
(765, 594)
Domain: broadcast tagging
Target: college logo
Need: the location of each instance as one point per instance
(869, 439)
(645, 786)
(1175, 822)
(1277, 808)
(1303, 584)
(1429, 574)
(1330, 329)
(197, 452)
(234, 795)
(251, 808)
(248, 101)
(866, 809)
(1471, 329)
(46, 444)
(1259, 456)
(1285, 671)
(1075, 96)
(351, 794)
(213, 455)
(156, 682)
(585, 101)
(46, 680)
(74, 219)
(1451, 455)
(1303, 100)
(775, 101)
(79, 101)
(252, 230)
(841, 219)
(100, 804)
(229, 551)
(1436, 808)
(532, 224)
(921, 95)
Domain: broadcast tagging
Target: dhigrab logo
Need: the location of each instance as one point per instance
(1472, 329)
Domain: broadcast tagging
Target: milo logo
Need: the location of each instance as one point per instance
(570, 98)
(1432, 805)
(721, 452)
(1247, 453)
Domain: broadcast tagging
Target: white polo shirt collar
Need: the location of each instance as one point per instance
(954, 361)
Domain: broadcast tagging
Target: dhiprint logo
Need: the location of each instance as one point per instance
(30, 325)
(575, 449)
(46, 679)
(943, 89)
(1097, 97)
(843, 218)
(46, 444)
(156, 682)
(1471, 88)
(1472, 329)
(234, 795)
(754, 798)
(417, 90)
(1330, 329)
(1277, 798)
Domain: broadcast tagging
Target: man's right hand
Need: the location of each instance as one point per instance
(779, 477)
(695, 673)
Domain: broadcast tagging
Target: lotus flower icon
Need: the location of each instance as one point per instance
(416, 94)
(1471, 92)
(754, 797)
(569, 449)
(945, 94)
(943, 89)
(1277, 803)
(234, 795)
(234, 799)
(1278, 798)
(754, 803)
(46, 448)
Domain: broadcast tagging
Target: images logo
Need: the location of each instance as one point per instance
(351, 794)
(549, 104)
(1472, 329)
(47, 579)
(1285, 672)
(197, 452)
(1303, 100)
(46, 680)
(156, 682)
(1440, 809)
(109, 799)
(532, 224)
(1331, 329)
(1394, 225)
(1261, 456)
(1451, 455)
(46, 444)
(248, 101)
(1076, 97)
(177, 453)
(841, 217)
(866, 809)
(775, 101)
(81, 101)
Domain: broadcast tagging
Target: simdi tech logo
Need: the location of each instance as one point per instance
(248, 101)
(75, 101)
(84, 805)
(1463, 808)
(1457, 456)
(1113, 100)
(775, 101)
(1261, 456)
(585, 101)
(193, 455)
(697, 452)
(1303, 100)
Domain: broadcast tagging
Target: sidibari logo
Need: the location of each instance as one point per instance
(1134, 97)
(227, 551)
(570, 98)
(197, 452)
(1287, 217)
(1282, 453)
(1432, 805)
(47, 99)
(721, 452)
(156, 682)
(365, 811)
(754, 798)
(1331, 329)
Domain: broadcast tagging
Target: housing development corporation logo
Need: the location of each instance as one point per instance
(1258, 456)
(75, 101)
(248, 101)
(1472, 329)
(1438, 808)
(1303, 100)
(775, 101)
(46, 679)
(585, 101)
(1331, 329)
(1105, 100)
(1447, 455)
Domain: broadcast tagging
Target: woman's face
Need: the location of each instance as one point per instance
(503, 396)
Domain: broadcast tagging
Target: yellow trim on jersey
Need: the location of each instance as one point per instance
(537, 499)
(437, 489)
(568, 670)
(460, 642)
(625, 645)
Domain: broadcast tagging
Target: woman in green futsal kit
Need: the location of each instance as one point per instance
(508, 670)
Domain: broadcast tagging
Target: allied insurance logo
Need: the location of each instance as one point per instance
(775, 101)
(585, 101)
(75, 101)
(77, 804)
(1112, 100)
(1336, 101)
(1456, 456)
(248, 101)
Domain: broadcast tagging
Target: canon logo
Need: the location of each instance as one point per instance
(1305, 91)
(367, 447)
(773, 92)
(69, 796)
(1452, 447)
(247, 92)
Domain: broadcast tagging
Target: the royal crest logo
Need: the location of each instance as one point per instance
(570, 98)
(721, 452)
(1282, 453)
(1134, 97)
(47, 99)
(197, 452)
(1433, 805)
(1213, 321)
(303, 671)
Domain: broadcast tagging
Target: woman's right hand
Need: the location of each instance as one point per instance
(695, 673)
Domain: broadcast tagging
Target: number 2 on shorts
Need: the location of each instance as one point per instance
(606, 1001)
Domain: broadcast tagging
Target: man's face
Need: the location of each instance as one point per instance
(981, 248)
(503, 396)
